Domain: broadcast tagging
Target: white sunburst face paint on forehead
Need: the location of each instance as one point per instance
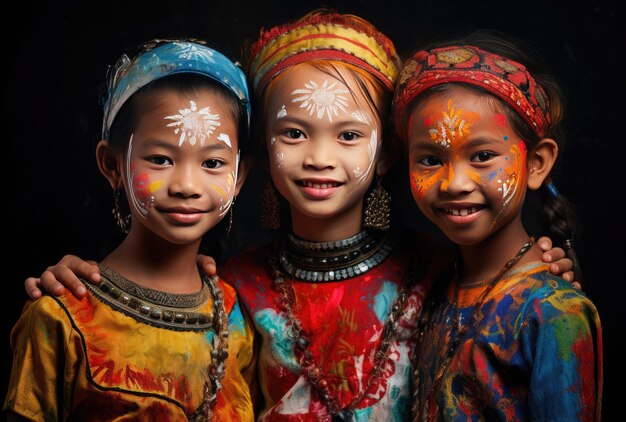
(326, 98)
(193, 124)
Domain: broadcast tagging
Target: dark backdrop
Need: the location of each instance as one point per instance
(55, 61)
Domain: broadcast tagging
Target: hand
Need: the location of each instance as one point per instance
(559, 264)
(207, 264)
(63, 275)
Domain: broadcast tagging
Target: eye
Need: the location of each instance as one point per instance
(429, 161)
(482, 156)
(295, 134)
(160, 160)
(213, 164)
(348, 136)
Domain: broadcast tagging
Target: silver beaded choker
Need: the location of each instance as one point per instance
(333, 261)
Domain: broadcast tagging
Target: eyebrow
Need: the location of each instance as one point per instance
(214, 145)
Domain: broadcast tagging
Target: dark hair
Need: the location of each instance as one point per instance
(558, 219)
(127, 118)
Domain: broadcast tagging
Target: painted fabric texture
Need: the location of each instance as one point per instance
(83, 360)
(535, 353)
(344, 320)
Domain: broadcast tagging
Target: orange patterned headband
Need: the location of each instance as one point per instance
(324, 36)
(507, 79)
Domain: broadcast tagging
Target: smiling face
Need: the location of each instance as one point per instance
(467, 166)
(323, 141)
(180, 167)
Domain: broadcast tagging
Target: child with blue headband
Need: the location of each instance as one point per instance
(157, 339)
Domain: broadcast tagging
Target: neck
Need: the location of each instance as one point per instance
(328, 229)
(152, 262)
(483, 260)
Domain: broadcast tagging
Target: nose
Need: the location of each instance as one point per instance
(186, 182)
(457, 180)
(321, 154)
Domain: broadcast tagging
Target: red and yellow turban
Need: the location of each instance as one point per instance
(328, 36)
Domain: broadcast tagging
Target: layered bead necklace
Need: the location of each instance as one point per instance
(419, 408)
(326, 262)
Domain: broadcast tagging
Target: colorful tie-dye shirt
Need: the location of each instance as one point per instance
(344, 320)
(535, 353)
(83, 360)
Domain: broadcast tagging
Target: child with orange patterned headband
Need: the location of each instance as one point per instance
(499, 337)
(334, 299)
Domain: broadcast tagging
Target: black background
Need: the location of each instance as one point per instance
(55, 62)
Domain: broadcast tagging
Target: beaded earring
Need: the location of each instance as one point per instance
(122, 221)
(377, 208)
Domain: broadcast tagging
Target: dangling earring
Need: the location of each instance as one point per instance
(230, 217)
(377, 209)
(271, 207)
(123, 222)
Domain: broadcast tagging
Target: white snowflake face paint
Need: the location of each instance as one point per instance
(194, 124)
(323, 149)
(463, 151)
(182, 182)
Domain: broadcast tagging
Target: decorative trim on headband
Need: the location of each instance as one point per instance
(505, 78)
(169, 58)
(326, 36)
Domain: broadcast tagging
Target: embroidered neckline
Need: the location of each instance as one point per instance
(165, 310)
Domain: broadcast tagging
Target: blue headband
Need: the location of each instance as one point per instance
(171, 58)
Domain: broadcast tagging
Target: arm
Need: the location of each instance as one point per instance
(66, 273)
(562, 338)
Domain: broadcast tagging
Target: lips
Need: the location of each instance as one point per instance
(183, 215)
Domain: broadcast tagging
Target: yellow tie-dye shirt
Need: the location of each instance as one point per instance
(83, 360)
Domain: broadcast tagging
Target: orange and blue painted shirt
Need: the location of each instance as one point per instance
(344, 321)
(534, 354)
(80, 359)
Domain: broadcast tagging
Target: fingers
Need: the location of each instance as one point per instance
(207, 264)
(55, 279)
(80, 267)
(32, 287)
(545, 243)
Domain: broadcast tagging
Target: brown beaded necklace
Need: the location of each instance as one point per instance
(312, 371)
(419, 408)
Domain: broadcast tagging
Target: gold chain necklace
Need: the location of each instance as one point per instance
(419, 408)
(311, 370)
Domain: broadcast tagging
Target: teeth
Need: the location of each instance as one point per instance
(318, 185)
(462, 212)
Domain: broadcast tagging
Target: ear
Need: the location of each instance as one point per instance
(242, 173)
(540, 162)
(109, 164)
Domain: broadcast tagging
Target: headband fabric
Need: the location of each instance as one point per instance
(329, 36)
(172, 57)
(505, 78)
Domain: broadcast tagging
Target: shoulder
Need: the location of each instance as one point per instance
(550, 298)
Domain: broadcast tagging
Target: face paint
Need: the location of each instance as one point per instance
(452, 127)
(194, 124)
(281, 113)
(224, 138)
(466, 175)
(136, 189)
(322, 100)
(371, 150)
